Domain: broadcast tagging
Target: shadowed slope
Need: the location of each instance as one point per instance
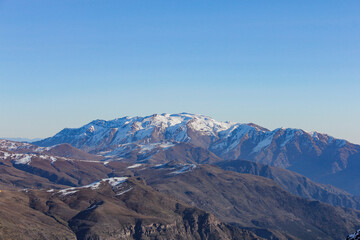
(256, 202)
(295, 183)
(117, 208)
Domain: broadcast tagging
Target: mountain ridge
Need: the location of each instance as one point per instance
(112, 208)
(201, 123)
(252, 202)
(315, 155)
(63, 164)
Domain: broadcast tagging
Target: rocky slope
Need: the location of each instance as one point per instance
(315, 155)
(246, 201)
(251, 201)
(42, 170)
(295, 183)
(113, 208)
(23, 165)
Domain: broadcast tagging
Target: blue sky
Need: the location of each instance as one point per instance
(274, 63)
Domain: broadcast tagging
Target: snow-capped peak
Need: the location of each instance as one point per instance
(147, 135)
(162, 127)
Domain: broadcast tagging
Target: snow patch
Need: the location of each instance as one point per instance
(289, 135)
(184, 169)
(121, 193)
(50, 158)
(263, 144)
(92, 207)
(159, 166)
(5, 155)
(24, 159)
(208, 126)
(106, 163)
(115, 181)
(315, 135)
(235, 134)
(135, 166)
(151, 146)
(64, 193)
(91, 129)
(53, 159)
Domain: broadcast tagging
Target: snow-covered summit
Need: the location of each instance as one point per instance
(100, 134)
(145, 136)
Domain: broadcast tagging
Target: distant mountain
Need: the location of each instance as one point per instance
(61, 150)
(315, 155)
(295, 183)
(28, 140)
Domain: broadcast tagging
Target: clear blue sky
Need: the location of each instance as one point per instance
(274, 63)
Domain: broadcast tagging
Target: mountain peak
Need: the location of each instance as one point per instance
(142, 137)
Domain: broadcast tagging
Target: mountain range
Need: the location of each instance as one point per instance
(179, 176)
(82, 196)
(318, 156)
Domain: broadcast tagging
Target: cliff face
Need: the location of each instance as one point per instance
(193, 225)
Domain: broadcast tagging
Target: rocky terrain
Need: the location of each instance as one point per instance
(41, 171)
(318, 156)
(252, 201)
(113, 208)
(295, 183)
(179, 176)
